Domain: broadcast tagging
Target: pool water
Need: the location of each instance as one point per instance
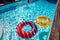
(27, 28)
(11, 18)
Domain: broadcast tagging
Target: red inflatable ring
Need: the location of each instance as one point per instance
(24, 34)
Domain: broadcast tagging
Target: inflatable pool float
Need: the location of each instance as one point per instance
(38, 20)
(0, 31)
(24, 34)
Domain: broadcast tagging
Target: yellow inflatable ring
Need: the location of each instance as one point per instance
(38, 20)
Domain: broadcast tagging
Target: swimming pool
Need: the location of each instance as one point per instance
(9, 19)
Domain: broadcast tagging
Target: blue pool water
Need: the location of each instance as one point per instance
(10, 19)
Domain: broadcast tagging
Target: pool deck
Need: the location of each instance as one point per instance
(55, 31)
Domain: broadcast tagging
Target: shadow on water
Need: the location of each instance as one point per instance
(52, 1)
(42, 34)
(11, 6)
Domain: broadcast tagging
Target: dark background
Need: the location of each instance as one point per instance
(6, 1)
